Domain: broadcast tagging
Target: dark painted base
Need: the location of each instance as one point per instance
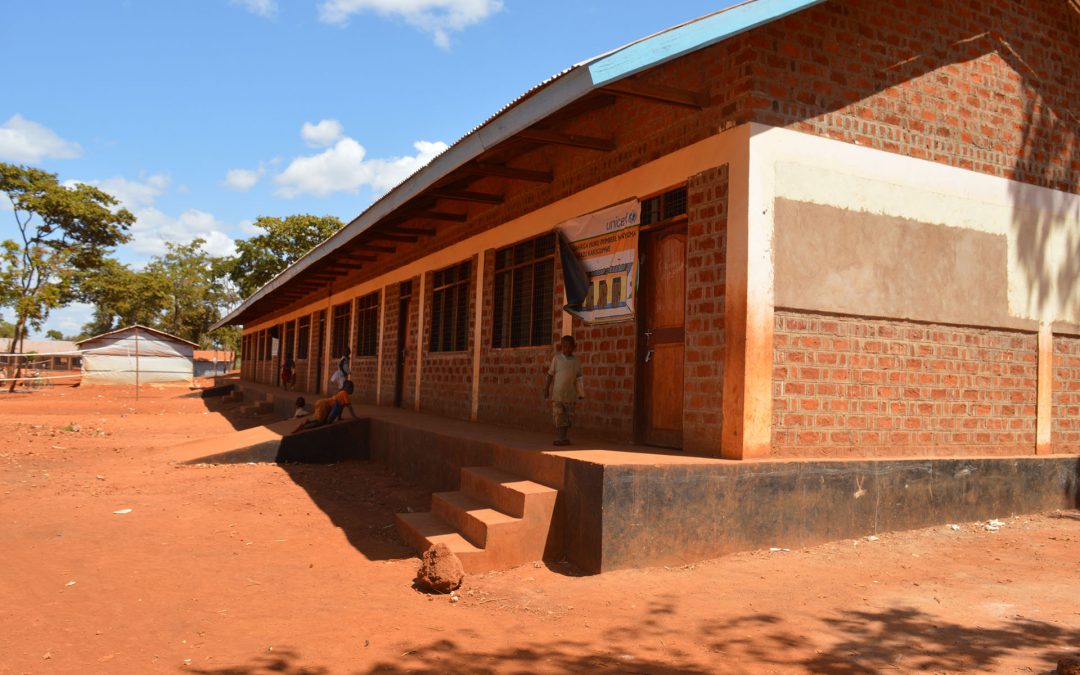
(654, 515)
(327, 445)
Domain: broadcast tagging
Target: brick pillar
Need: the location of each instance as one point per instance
(1044, 388)
(748, 309)
(707, 198)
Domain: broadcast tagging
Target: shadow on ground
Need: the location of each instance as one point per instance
(361, 498)
(900, 638)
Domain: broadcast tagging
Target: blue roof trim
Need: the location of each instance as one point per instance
(692, 36)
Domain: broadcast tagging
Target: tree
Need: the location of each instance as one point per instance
(122, 296)
(62, 230)
(54, 334)
(196, 290)
(263, 256)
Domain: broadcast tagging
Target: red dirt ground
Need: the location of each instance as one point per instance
(251, 569)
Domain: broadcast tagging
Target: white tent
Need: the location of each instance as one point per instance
(136, 355)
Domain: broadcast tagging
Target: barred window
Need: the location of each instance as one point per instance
(290, 335)
(303, 337)
(524, 293)
(367, 325)
(262, 345)
(339, 330)
(450, 309)
(664, 206)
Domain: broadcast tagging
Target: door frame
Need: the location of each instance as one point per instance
(647, 236)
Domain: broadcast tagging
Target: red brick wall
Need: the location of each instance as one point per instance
(985, 86)
(408, 385)
(388, 343)
(847, 386)
(446, 382)
(1065, 426)
(706, 252)
(607, 364)
(512, 379)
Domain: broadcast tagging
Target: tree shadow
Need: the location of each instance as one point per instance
(900, 638)
(281, 662)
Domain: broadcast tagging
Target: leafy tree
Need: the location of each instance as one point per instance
(54, 334)
(122, 296)
(61, 230)
(7, 330)
(263, 256)
(196, 290)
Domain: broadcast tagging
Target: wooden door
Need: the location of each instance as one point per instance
(402, 350)
(320, 350)
(662, 330)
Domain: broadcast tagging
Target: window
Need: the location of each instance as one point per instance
(450, 309)
(288, 346)
(524, 293)
(367, 325)
(664, 206)
(303, 336)
(262, 345)
(339, 330)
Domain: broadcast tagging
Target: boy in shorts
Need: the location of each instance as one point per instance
(563, 388)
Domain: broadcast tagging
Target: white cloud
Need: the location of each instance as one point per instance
(153, 228)
(22, 140)
(437, 17)
(345, 168)
(132, 194)
(323, 134)
(264, 8)
(243, 180)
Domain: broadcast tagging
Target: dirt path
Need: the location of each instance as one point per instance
(265, 569)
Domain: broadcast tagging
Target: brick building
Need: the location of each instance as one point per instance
(859, 235)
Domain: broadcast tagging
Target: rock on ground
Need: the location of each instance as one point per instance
(440, 570)
(1069, 666)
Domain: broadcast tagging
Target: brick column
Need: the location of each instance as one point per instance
(703, 410)
(748, 309)
(1045, 387)
(420, 297)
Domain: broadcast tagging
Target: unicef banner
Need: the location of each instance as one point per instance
(599, 259)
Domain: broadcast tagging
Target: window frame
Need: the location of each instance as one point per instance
(303, 331)
(338, 347)
(450, 289)
(503, 324)
(366, 318)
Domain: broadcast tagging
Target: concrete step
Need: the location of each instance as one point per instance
(496, 521)
(503, 490)
(257, 408)
(424, 530)
(476, 520)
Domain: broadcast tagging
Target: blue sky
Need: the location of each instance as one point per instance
(202, 115)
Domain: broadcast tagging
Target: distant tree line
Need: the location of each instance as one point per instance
(64, 252)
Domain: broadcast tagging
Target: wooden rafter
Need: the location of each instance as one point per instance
(436, 215)
(659, 93)
(414, 231)
(503, 171)
(571, 140)
(390, 236)
(375, 247)
(466, 196)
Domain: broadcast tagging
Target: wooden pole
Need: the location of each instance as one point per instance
(136, 363)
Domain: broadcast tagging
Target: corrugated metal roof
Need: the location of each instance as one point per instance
(539, 102)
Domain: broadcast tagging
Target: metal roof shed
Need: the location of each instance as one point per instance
(137, 355)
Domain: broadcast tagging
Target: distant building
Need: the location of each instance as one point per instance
(210, 362)
(50, 355)
(137, 354)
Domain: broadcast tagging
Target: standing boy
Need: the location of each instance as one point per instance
(563, 388)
